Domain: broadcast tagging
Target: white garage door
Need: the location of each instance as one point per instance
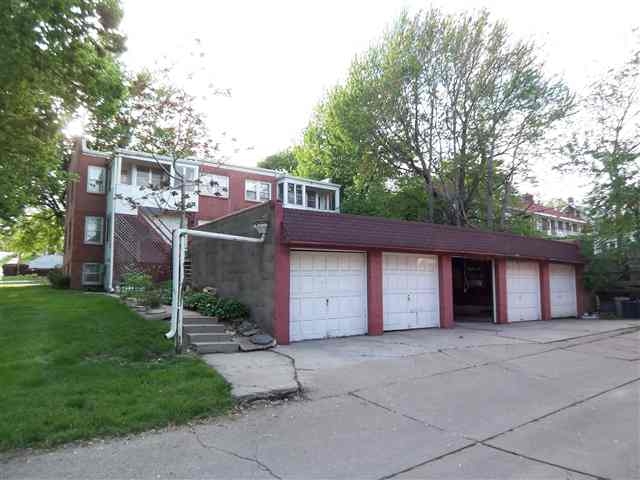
(523, 291)
(328, 294)
(562, 286)
(410, 291)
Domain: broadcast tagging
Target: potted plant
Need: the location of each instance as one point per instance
(153, 304)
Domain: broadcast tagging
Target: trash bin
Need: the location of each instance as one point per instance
(631, 309)
(618, 303)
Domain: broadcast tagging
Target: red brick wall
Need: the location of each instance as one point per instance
(82, 204)
(210, 208)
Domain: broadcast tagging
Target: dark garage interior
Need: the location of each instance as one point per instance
(472, 290)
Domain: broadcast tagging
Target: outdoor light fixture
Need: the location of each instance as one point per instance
(261, 227)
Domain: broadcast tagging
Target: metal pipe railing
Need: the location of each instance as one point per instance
(177, 271)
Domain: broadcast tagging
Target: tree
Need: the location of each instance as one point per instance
(162, 119)
(55, 57)
(454, 101)
(34, 234)
(608, 152)
(283, 160)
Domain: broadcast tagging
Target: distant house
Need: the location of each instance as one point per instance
(552, 221)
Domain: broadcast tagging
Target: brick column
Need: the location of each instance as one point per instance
(445, 287)
(580, 290)
(374, 293)
(281, 281)
(545, 291)
(501, 290)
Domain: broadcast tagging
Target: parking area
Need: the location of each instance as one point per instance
(556, 399)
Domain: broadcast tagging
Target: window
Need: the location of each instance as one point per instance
(96, 179)
(281, 191)
(186, 175)
(125, 174)
(214, 185)
(575, 227)
(92, 273)
(148, 176)
(294, 194)
(93, 230)
(257, 191)
(311, 198)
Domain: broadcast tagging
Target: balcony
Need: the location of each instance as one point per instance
(146, 183)
(306, 194)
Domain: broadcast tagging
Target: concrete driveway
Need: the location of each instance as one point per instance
(557, 399)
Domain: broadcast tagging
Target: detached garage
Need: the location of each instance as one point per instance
(321, 275)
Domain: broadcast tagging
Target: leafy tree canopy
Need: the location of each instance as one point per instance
(454, 101)
(56, 56)
(34, 234)
(284, 160)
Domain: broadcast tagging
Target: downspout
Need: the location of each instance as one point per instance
(115, 177)
(177, 269)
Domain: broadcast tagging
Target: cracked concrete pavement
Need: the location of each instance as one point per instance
(556, 399)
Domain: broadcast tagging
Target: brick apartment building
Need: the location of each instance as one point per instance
(108, 235)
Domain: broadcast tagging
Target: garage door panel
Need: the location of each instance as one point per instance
(523, 291)
(327, 294)
(410, 291)
(562, 286)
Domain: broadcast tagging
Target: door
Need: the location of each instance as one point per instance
(410, 291)
(523, 291)
(562, 286)
(328, 294)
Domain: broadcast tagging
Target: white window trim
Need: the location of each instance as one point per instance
(190, 185)
(86, 220)
(100, 274)
(104, 179)
(257, 183)
(216, 177)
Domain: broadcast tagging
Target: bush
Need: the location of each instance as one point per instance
(153, 298)
(135, 285)
(198, 300)
(207, 304)
(230, 309)
(58, 278)
(166, 292)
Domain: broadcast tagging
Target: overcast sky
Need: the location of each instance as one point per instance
(280, 57)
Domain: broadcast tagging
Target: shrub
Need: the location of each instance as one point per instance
(207, 304)
(198, 300)
(58, 278)
(230, 309)
(153, 298)
(135, 285)
(166, 292)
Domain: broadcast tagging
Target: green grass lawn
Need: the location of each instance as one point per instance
(25, 278)
(78, 365)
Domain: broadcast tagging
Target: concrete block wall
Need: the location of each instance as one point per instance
(244, 271)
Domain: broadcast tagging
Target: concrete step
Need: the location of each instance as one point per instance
(209, 337)
(216, 347)
(207, 328)
(200, 321)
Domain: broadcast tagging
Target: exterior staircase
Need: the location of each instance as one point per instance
(206, 334)
(187, 268)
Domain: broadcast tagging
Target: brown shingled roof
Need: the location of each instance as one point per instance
(332, 230)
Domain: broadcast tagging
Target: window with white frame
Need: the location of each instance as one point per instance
(151, 176)
(214, 185)
(92, 273)
(94, 230)
(257, 191)
(96, 179)
(187, 175)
